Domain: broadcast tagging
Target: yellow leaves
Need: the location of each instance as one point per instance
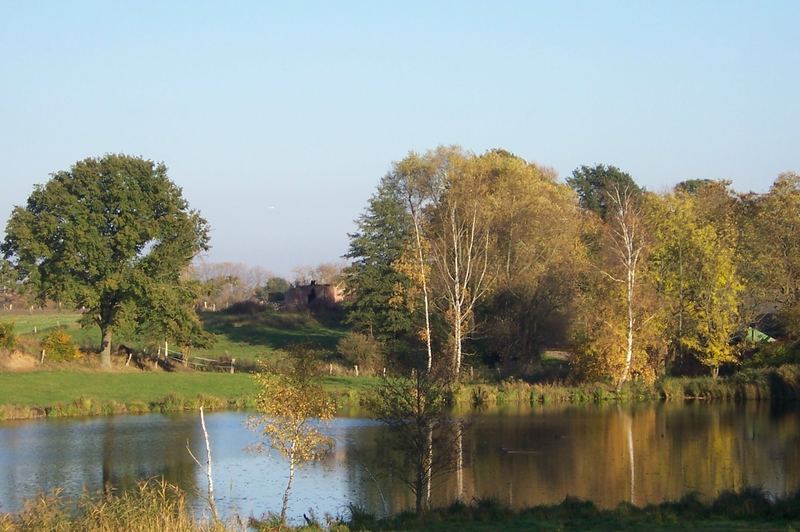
(695, 263)
(290, 405)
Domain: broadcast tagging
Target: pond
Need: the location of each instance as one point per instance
(642, 454)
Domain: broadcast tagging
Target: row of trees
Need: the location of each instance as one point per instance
(490, 254)
(226, 283)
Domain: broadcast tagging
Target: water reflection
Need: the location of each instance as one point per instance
(92, 453)
(642, 454)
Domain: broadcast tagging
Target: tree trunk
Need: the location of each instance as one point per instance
(424, 289)
(105, 348)
(288, 486)
(209, 476)
(419, 485)
(429, 468)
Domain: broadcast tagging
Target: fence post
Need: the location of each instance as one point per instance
(233, 362)
(330, 368)
(42, 360)
(356, 366)
(384, 373)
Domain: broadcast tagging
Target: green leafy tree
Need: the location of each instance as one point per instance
(290, 403)
(274, 287)
(596, 186)
(170, 314)
(111, 235)
(693, 186)
(373, 279)
(8, 280)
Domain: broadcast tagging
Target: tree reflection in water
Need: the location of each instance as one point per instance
(643, 454)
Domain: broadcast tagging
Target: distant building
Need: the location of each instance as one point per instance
(310, 295)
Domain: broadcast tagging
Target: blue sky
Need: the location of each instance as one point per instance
(278, 119)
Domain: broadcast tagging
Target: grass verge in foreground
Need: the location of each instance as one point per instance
(746, 510)
(156, 505)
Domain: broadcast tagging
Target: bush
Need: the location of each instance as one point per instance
(360, 349)
(7, 338)
(60, 346)
(246, 308)
(774, 354)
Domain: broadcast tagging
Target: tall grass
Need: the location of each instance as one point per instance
(782, 383)
(523, 393)
(154, 506)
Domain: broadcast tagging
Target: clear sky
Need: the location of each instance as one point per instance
(278, 118)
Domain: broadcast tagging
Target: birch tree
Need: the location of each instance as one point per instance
(627, 245)
(421, 179)
(460, 236)
(290, 404)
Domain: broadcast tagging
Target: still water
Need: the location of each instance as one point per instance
(642, 454)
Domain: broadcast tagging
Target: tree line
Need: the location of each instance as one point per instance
(490, 257)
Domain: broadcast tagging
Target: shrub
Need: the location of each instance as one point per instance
(246, 308)
(7, 338)
(359, 349)
(60, 346)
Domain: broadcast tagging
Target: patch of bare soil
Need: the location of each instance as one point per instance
(17, 361)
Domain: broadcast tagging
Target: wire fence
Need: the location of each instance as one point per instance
(202, 364)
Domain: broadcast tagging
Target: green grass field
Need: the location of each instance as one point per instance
(243, 337)
(25, 323)
(45, 388)
(248, 337)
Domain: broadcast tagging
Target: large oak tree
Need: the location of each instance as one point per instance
(111, 235)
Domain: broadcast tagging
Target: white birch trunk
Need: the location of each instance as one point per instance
(424, 285)
(285, 505)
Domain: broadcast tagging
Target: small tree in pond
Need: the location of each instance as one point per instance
(422, 435)
(290, 404)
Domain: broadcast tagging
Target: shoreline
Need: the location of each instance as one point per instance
(186, 392)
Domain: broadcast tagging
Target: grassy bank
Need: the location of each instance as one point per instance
(160, 506)
(781, 383)
(84, 393)
(76, 393)
(55, 394)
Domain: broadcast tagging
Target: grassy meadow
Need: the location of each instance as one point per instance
(247, 337)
